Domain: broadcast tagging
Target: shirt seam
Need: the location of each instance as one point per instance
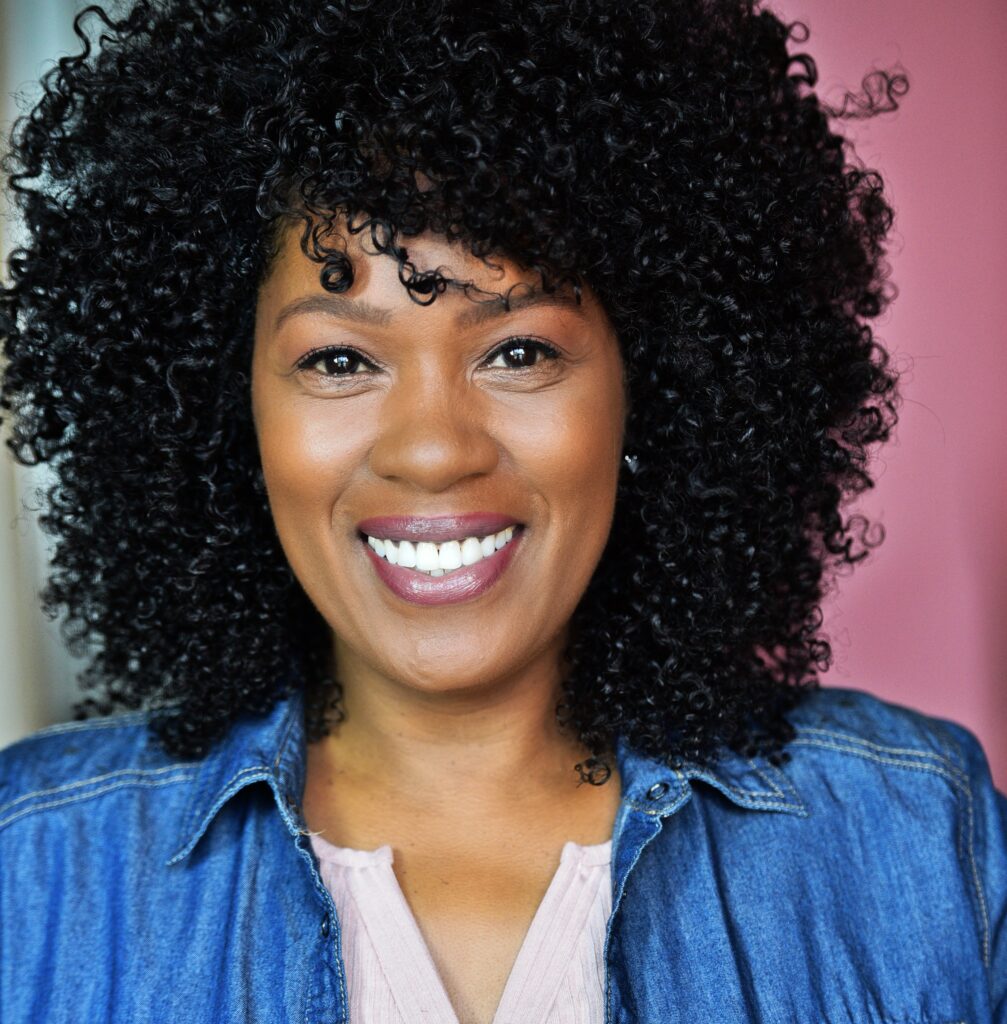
(282, 745)
(781, 796)
(931, 755)
(100, 791)
(123, 719)
(335, 938)
(945, 768)
(53, 790)
(617, 893)
(957, 778)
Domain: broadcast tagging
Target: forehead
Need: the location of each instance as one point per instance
(377, 295)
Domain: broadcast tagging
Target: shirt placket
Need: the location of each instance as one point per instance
(639, 821)
(326, 999)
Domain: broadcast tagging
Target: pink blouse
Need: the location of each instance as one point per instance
(558, 976)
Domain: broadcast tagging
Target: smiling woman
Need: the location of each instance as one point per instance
(436, 431)
(452, 410)
(440, 476)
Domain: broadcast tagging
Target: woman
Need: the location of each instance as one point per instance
(452, 408)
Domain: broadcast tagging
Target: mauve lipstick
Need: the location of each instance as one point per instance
(464, 584)
(435, 529)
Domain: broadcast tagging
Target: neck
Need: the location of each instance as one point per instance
(458, 742)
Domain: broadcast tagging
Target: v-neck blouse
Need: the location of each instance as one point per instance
(558, 975)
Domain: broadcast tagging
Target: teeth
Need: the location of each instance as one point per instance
(426, 556)
(449, 555)
(438, 559)
(471, 550)
(407, 553)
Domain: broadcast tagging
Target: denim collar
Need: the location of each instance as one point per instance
(272, 749)
(651, 786)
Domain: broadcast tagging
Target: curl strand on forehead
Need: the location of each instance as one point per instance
(323, 237)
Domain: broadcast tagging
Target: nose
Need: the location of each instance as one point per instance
(433, 434)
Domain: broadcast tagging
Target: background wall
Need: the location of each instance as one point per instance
(36, 671)
(924, 621)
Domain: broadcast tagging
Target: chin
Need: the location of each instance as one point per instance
(446, 674)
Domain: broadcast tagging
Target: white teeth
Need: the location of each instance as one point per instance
(438, 559)
(426, 556)
(449, 555)
(471, 550)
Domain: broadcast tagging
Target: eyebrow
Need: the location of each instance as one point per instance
(341, 307)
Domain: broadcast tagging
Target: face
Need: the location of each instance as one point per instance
(482, 444)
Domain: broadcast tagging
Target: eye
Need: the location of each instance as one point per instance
(520, 354)
(335, 362)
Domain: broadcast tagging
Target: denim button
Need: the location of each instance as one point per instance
(657, 790)
(325, 927)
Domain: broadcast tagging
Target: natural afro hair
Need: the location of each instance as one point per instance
(670, 153)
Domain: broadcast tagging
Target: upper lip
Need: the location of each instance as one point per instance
(435, 529)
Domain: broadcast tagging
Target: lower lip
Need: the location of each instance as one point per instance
(465, 584)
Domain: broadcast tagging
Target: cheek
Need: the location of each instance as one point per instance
(571, 454)
(309, 451)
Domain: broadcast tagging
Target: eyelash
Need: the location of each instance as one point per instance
(306, 363)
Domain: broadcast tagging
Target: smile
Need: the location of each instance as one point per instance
(440, 559)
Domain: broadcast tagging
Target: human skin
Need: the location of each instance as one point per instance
(450, 750)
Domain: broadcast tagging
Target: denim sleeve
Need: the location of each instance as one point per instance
(987, 847)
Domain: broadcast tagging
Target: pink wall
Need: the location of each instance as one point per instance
(924, 621)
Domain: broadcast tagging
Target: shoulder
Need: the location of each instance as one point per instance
(851, 723)
(897, 779)
(66, 765)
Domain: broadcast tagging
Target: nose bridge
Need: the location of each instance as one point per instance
(433, 430)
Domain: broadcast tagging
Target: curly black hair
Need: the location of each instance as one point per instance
(672, 154)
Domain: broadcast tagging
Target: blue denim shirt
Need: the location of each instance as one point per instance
(865, 881)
